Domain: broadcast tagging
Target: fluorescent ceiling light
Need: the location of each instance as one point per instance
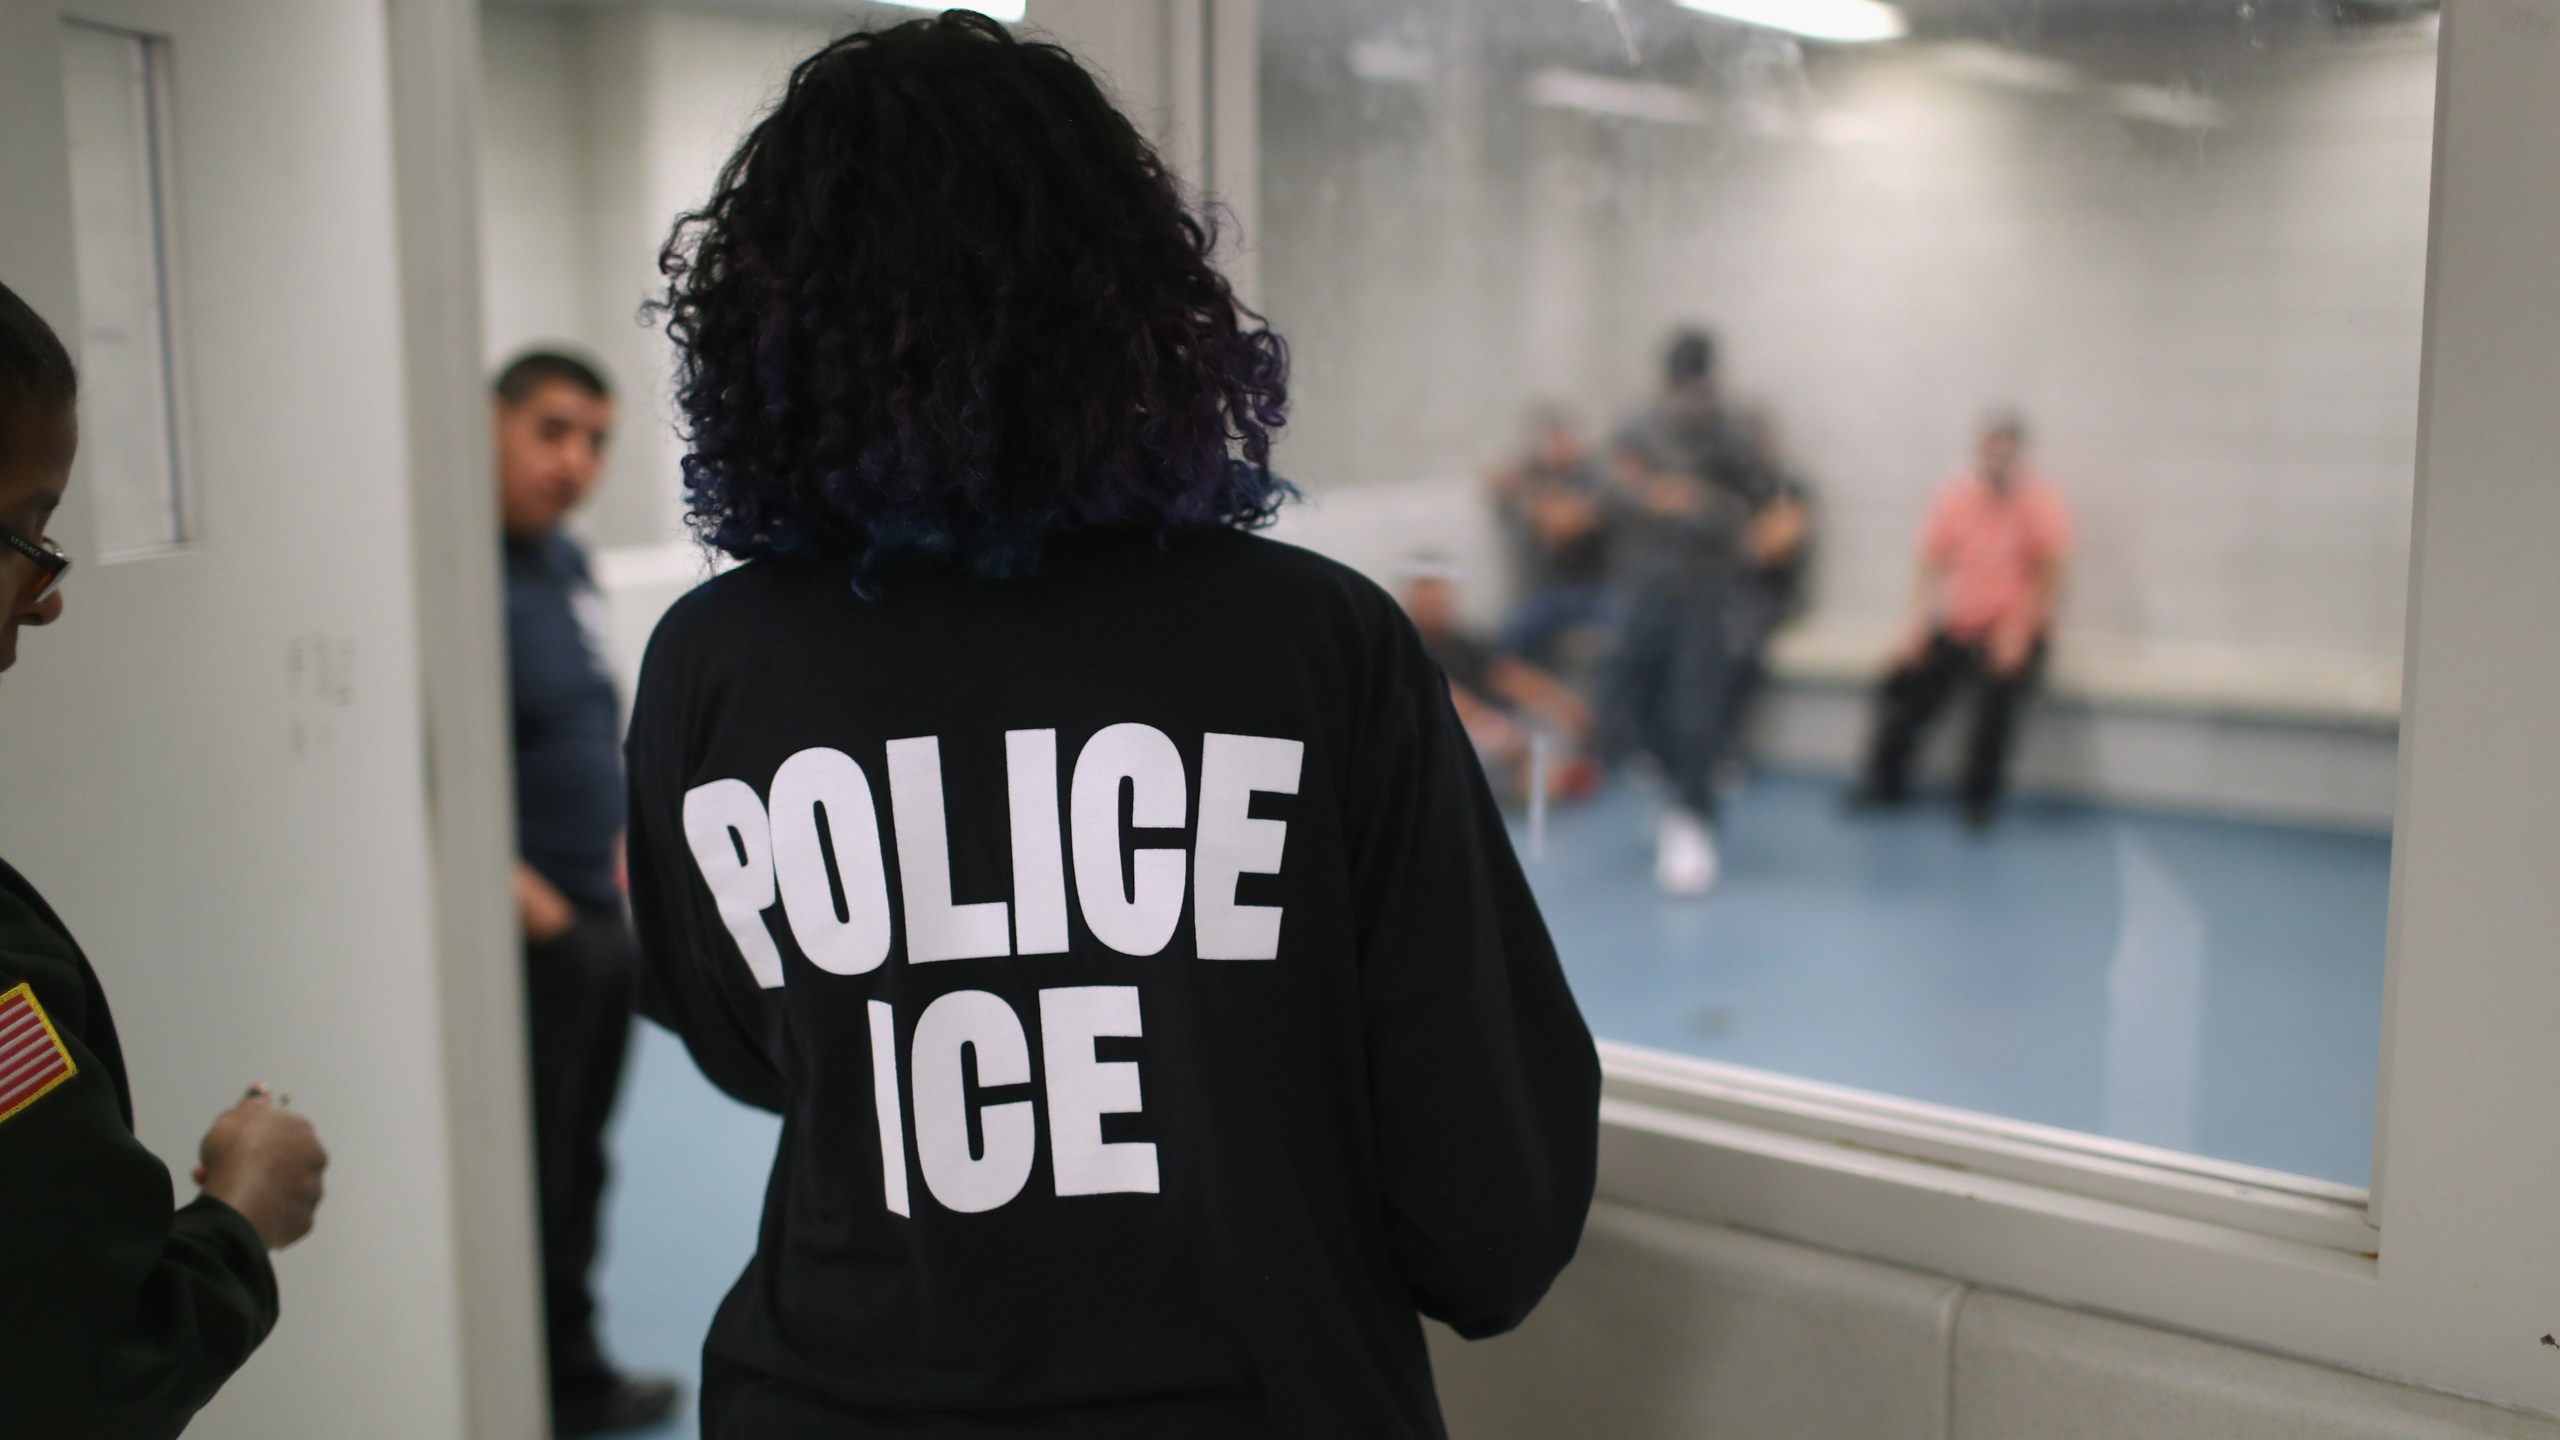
(1843, 20)
(1618, 99)
(1007, 10)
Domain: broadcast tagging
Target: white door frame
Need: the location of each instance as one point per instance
(469, 760)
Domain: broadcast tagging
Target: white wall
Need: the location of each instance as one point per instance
(2216, 333)
(2215, 330)
(537, 182)
(1663, 1329)
(601, 127)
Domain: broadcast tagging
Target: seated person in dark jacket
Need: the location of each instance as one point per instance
(1505, 702)
(126, 1311)
(1552, 502)
(1108, 898)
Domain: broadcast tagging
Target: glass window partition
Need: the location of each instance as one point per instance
(1918, 525)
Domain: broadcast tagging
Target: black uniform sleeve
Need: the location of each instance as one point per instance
(123, 1314)
(692, 980)
(1486, 1087)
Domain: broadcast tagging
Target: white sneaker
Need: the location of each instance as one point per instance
(1684, 853)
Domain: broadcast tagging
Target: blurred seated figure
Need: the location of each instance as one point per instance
(1552, 505)
(1503, 701)
(1687, 483)
(1991, 565)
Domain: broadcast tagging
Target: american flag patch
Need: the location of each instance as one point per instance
(32, 1057)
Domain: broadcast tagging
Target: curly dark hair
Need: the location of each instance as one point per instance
(946, 304)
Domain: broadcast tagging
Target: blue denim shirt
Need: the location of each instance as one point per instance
(568, 720)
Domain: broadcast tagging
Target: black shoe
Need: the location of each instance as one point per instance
(629, 1403)
(1980, 816)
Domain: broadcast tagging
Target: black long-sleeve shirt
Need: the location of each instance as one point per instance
(120, 1313)
(1158, 1014)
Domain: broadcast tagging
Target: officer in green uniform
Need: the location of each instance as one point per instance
(121, 1312)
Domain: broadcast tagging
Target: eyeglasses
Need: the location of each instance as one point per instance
(51, 565)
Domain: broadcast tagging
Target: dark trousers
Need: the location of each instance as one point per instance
(1912, 698)
(1539, 620)
(1665, 690)
(1742, 693)
(1760, 607)
(579, 991)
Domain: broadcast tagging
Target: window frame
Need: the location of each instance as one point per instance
(158, 51)
(2445, 1273)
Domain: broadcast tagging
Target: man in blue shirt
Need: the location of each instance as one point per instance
(553, 414)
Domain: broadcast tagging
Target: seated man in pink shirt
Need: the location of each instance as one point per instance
(1991, 561)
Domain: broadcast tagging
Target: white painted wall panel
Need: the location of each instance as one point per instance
(538, 182)
(601, 127)
(1662, 1330)
(1665, 1328)
(218, 778)
(2028, 1371)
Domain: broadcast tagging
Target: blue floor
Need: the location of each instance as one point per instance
(680, 1221)
(2209, 986)
(2200, 984)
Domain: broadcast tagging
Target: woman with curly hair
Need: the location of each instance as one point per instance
(1107, 897)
